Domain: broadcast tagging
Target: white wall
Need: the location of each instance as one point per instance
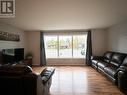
(118, 37)
(12, 44)
(99, 41)
(33, 45)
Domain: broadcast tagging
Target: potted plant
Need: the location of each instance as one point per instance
(29, 55)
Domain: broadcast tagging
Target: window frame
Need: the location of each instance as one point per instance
(65, 34)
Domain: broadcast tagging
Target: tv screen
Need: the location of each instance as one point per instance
(19, 54)
(13, 55)
(9, 52)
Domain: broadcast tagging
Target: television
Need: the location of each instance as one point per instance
(13, 55)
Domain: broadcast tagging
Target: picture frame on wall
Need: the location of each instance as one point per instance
(5, 36)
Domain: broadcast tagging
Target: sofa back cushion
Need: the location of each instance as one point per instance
(107, 56)
(124, 61)
(15, 70)
(117, 59)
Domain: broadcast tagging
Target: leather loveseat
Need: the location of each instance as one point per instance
(21, 80)
(114, 66)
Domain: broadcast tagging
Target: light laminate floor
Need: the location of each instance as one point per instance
(76, 80)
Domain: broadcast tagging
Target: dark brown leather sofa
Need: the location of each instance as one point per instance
(122, 76)
(114, 66)
(21, 80)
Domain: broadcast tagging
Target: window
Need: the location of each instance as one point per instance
(65, 46)
(51, 46)
(79, 46)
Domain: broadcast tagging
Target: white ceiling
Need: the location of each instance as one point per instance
(67, 14)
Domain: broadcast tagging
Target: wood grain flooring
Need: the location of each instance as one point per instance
(76, 80)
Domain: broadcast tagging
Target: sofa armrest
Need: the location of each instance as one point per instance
(40, 86)
(46, 74)
(97, 57)
(122, 68)
(122, 81)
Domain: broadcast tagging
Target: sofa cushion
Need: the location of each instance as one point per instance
(117, 59)
(112, 71)
(124, 61)
(15, 70)
(107, 56)
(95, 62)
(96, 57)
(102, 64)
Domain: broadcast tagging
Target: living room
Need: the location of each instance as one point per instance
(36, 20)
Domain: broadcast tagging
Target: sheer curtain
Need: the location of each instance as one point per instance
(89, 48)
(42, 50)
